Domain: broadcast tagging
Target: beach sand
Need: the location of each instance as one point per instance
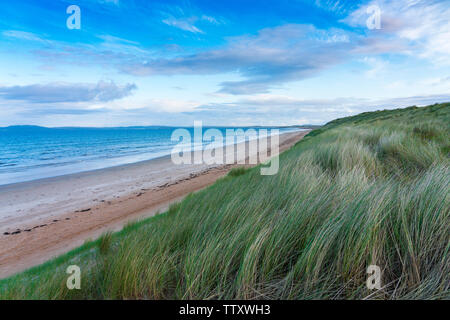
(45, 218)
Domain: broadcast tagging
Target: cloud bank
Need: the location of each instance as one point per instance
(102, 91)
(273, 56)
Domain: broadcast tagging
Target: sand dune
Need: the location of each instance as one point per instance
(44, 218)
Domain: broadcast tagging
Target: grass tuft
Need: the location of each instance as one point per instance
(235, 172)
(104, 243)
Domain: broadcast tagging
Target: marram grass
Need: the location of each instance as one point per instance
(368, 189)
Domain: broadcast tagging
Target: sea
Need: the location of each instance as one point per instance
(30, 152)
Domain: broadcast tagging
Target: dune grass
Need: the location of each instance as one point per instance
(368, 189)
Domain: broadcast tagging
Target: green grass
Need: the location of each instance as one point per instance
(238, 171)
(368, 189)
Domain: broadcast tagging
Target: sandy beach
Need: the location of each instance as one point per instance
(44, 218)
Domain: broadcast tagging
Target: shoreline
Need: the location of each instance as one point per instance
(119, 163)
(55, 215)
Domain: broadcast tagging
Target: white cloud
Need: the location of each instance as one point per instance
(186, 24)
(67, 92)
(376, 66)
(171, 105)
(210, 19)
(23, 35)
(423, 25)
(272, 57)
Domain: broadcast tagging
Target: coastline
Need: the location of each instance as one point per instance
(55, 215)
(74, 164)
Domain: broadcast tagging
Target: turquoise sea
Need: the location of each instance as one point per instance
(30, 152)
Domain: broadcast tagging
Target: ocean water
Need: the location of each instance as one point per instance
(29, 153)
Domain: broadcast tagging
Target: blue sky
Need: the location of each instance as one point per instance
(232, 62)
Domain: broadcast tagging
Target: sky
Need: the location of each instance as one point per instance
(225, 63)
